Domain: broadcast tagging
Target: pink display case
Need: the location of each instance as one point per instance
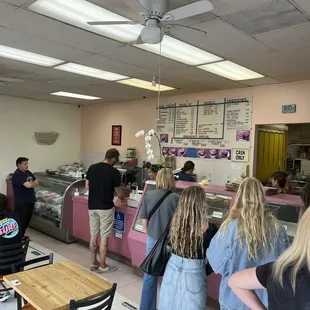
(287, 208)
(118, 243)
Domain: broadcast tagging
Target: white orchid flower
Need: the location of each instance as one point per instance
(139, 133)
(151, 132)
(150, 157)
(148, 138)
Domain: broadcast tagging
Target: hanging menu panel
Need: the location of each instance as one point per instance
(166, 117)
(185, 121)
(238, 114)
(210, 121)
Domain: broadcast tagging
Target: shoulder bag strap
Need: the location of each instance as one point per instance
(161, 200)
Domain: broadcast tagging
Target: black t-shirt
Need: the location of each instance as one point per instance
(22, 194)
(10, 233)
(284, 298)
(183, 176)
(103, 179)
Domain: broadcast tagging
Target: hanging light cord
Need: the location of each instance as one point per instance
(159, 80)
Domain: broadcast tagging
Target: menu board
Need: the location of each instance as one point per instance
(209, 129)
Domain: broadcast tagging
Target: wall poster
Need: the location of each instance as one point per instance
(116, 135)
(205, 129)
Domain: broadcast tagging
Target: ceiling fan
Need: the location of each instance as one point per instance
(156, 18)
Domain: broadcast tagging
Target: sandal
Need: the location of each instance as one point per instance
(94, 267)
(106, 269)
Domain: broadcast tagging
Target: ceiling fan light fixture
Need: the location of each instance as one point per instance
(231, 70)
(144, 84)
(79, 12)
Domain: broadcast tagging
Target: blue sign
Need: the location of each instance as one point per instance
(289, 108)
(119, 221)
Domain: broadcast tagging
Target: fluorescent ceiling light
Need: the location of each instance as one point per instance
(231, 70)
(92, 72)
(180, 51)
(79, 12)
(24, 56)
(73, 95)
(144, 84)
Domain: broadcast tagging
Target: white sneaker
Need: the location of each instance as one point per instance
(5, 296)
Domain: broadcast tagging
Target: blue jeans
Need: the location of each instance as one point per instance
(149, 289)
(184, 285)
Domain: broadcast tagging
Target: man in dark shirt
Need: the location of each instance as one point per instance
(24, 182)
(102, 180)
(10, 233)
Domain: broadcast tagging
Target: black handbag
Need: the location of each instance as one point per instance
(155, 263)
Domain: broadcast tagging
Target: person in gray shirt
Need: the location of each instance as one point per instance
(155, 227)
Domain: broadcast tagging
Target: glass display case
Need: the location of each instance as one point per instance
(53, 210)
(218, 206)
(287, 215)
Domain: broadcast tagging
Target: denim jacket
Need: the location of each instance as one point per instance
(227, 256)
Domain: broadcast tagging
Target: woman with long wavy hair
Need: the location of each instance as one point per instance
(287, 281)
(249, 237)
(184, 285)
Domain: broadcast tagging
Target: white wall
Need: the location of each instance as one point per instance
(20, 118)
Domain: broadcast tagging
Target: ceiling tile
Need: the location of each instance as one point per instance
(260, 82)
(6, 11)
(16, 2)
(278, 63)
(112, 65)
(33, 44)
(304, 4)
(287, 38)
(138, 57)
(233, 42)
(59, 32)
(227, 7)
(266, 17)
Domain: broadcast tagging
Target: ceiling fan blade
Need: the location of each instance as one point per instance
(111, 23)
(188, 10)
(13, 80)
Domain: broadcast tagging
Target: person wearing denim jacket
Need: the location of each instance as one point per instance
(248, 238)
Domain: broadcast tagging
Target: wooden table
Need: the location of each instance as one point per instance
(52, 287)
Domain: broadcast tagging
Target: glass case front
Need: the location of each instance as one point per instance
(49, 194)
(218, 206)
(287, 215)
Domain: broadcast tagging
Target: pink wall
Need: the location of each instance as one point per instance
(136, 115)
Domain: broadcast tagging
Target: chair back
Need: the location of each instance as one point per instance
(33, 263)
(104, 301)
(12, 254)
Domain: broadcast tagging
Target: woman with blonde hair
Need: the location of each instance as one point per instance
(184, 284)
(287, 281)
(157, 209)
(249, 237)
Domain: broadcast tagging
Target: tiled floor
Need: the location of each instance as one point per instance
(129, 286)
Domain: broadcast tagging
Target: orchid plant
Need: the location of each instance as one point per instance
(148, 145)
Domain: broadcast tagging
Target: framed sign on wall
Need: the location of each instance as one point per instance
(116, 135)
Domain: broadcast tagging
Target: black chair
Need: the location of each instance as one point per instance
(104, 301)
(20, 267)
(9, 255)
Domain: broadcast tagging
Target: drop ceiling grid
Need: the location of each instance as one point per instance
(223, 39)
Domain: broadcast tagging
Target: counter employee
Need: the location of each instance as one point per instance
(281, 181)
(187, 172)
(24, 183)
